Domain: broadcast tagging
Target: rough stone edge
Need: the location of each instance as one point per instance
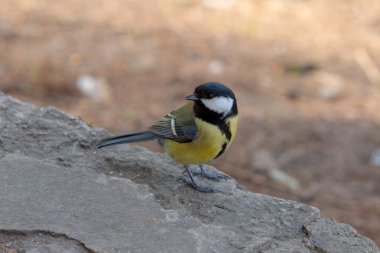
(23, 232)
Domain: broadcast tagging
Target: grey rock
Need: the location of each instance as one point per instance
(327, 235)
(57, 194)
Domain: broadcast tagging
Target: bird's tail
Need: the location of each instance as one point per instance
(126, 138)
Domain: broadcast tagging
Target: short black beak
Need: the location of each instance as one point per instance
(192, 97)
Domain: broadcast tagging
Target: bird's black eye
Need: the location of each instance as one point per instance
(209, 96)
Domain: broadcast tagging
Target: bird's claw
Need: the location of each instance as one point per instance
(194, 184)
(211, 175)
(198, 187)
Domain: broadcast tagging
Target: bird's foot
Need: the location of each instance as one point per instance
(194, 184)
(211, 175)
(198, 187)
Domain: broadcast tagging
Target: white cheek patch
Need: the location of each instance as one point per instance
(222, 105)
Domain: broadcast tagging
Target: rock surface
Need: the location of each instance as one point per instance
(58, 195)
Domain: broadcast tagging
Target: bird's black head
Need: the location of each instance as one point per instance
(213, 101)
(212, 90)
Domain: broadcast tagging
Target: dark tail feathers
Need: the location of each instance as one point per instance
(126, 138)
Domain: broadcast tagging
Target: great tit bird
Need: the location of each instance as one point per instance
(196, 133)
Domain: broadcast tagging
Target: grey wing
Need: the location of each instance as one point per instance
(169, 127)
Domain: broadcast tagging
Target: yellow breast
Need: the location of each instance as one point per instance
(206, 145)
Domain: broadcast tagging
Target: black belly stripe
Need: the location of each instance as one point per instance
(224, 146)
(202, 112)
(225, 129)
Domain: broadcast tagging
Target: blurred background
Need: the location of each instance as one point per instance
(306, 74)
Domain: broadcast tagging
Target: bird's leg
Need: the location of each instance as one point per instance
(194, 184)
(211, 175)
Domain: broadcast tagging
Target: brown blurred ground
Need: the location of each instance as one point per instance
(306, 74)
